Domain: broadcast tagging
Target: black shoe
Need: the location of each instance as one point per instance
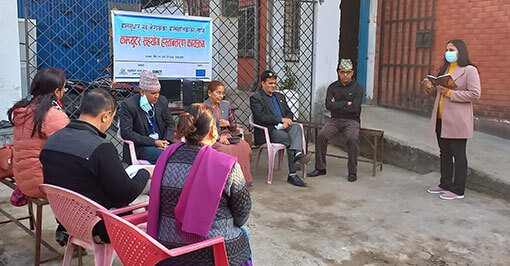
(296, 181)
(351, 177)
(61, 237)
(317, 172)
(302, 158)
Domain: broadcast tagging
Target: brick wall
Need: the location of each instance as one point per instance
(485, 27)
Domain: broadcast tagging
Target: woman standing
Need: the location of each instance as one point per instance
(35, 119)
(198, 193)
(452, 118)
(226, 127)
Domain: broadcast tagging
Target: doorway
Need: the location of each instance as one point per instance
(349, 31)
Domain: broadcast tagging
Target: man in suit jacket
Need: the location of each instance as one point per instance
(146, 120)
(270, 109)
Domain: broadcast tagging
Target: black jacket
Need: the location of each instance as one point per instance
(79, 158)
(263, 113)
(134, 125)
(351, 92)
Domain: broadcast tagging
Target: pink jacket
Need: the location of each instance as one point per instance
(457, 111)
(26, 165)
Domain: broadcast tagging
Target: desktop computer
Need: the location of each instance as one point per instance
(182, 93)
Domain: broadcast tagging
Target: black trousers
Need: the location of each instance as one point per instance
(453, 162)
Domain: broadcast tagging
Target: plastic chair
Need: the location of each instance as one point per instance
(78, 216)
(136, 248)
(272, 150)
(132, 152)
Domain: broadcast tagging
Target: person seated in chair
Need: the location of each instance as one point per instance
(146, 120)
(270, 109)
(343, 99)
(199, 193)
(80, 158)
(227, 127)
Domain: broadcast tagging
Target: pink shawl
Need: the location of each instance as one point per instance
(200, 196)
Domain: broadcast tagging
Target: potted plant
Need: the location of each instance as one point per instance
(288, 86)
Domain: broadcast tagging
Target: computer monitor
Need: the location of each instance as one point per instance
(171, 89)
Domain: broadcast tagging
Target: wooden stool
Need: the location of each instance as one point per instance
(37, 223)
(374, 137)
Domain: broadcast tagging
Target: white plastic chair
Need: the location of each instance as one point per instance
(272, 150)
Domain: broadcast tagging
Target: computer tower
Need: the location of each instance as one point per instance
(192, 92)
(172, 90)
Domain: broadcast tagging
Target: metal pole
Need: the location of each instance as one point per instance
(256, 49)
(27, 49)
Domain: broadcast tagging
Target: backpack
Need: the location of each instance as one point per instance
(6, 161)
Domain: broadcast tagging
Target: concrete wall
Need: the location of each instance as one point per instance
(325, 57)
(10, 78)
(224, 50)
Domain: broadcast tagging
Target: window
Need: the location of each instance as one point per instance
(291, 29)
(246, 32)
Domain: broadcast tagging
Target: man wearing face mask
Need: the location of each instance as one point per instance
(146, 120)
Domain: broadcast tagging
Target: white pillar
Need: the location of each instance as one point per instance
(372, 28)
(325, 57)
(10, 78)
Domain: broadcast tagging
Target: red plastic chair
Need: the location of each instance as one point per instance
(77, 214)
(272, 150)
(136, 248)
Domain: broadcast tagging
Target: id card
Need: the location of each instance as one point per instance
(154, 136)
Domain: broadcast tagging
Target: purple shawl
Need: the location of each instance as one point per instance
(200, 196)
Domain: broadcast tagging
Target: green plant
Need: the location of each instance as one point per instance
(290, 81)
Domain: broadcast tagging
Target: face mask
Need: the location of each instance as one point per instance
(144, 104)
(451, 56)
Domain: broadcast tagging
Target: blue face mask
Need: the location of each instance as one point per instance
(450, 56)
(144, 104)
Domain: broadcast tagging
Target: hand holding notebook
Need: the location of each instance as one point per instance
(445, 80)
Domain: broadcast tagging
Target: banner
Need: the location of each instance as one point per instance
(172, 47)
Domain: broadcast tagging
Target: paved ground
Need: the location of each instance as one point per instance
(488, 155)
(386, 220)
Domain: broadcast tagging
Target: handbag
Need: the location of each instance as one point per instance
(6, 161)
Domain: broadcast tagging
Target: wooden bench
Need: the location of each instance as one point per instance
(374, 137)
(37, 223)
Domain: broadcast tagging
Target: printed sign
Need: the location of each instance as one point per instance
(172, 47)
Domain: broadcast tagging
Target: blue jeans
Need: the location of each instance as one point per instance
(150, 154)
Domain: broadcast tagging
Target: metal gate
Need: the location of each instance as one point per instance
(249, 36)
(405, 53)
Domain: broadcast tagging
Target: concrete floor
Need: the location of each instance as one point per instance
(389, 219)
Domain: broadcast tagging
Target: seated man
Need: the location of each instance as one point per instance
(270, 109)
(146, 120)
(80, 158)
(343, 99)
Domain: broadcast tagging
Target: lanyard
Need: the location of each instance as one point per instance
(150, 121)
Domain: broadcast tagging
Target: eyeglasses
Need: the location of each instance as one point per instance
(345, 73)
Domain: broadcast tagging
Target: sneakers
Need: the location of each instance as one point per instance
(436, 190)
(448, 195)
